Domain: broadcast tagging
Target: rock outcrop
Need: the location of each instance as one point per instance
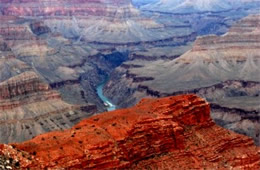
(167, 133)
(29, 107)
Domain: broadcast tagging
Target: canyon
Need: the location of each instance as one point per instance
(60, 61)
(166, 133)
(223, 69)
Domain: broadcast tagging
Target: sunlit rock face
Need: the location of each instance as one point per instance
(167, 133)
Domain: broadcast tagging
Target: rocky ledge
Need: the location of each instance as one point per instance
(167, 133)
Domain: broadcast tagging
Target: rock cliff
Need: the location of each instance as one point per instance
(167, 133)
(24, 84)
(29, 107)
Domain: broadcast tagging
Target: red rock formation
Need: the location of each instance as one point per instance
(168, 133)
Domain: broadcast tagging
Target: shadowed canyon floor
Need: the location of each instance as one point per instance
(166, 133)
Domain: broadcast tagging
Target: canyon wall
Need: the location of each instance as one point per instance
(68, 8)
(29, 107)
(223, 69)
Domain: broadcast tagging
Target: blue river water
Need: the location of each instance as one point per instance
(110, 106)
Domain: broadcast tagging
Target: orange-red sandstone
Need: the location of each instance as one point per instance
(168, 133)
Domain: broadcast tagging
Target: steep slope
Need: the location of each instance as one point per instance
(223, 69)
(167, 133)
(28, 107)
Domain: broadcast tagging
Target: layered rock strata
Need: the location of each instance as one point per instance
(29, 107)
(68, 8)
(110, 22)
(223, 69)
(167, 133)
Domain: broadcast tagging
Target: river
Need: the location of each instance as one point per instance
(110, 106)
